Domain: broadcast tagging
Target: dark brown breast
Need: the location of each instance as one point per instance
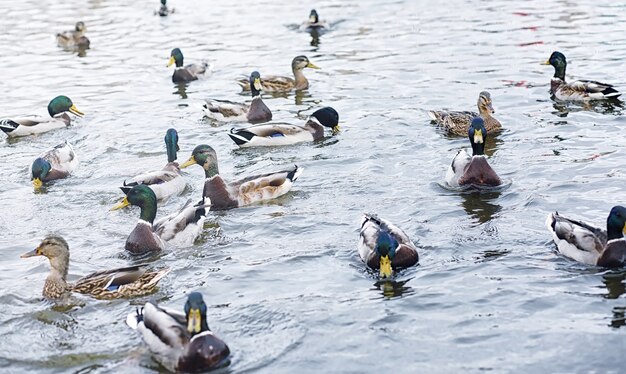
(142, 239)
(614, 255)
(478, 172)
(217, 191)
(203, 353)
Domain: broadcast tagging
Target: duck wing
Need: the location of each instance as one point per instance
(266, 186)
(457, 168)
(268, 134)
(594, 89)
(576, 239)
(168, 227)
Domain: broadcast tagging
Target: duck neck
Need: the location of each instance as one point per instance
(301, 80)
(614, 232)
(559, 71)
(211, 169)
(484, 112)
(56, 284)
(148, 211)
(478, 149)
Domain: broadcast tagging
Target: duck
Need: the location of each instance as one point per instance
(580, 90)
(588, 244)
(74, 38)
(122, 282)
(163, 10)
(244, 192)
(255, 112)
(314, 23)
(457, 123)
(275, 134)
(184, 74)
(57, 163)
(180, 229)
(35, 124)
(166, 182)
(473, 171)
(285, 84)
(385, 247)
(181, 342)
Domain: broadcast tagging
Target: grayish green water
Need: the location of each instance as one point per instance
(284, 283)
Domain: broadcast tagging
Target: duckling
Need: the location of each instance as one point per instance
(166, 182)
(313, 23)
(180, 342)
(255, 112)
(247, 191)
(163, 10)
(385, 247)
(74, 38)
(57, 163)
(457, 123)
(274, 134)
(580, 90)
(34, 124)
(188, 73)
(109, 284)
(588, 244)
(475, 170)
(285, 84)
(181, 228)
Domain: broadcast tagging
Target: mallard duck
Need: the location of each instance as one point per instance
(385, 247)
(314, 23)
(283, 133)
(181, 228)
(247, 191)
(163, 10)
(588, 244)
(181, 342)
(458, 123)
(108, 284)
(255, 112)
(283, 84)
(57, 163)
(580, 90)
(166, 182)
(74, 38)
(34, 124)
(475, 170)
(187, 73)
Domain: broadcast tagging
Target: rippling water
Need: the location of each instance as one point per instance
(283, 280)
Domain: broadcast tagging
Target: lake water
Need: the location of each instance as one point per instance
(285, 287)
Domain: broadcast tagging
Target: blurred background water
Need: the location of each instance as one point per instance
(283, 280)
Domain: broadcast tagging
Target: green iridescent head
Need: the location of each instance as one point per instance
(171, 144)
(176, 56)
(61, 104)
(616, 223)
(205, 156)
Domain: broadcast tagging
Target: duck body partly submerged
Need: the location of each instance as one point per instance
(74, 38)
(458, 123)
(255, 112)
(275, 83)
(56, 163)
(187, 73)
(36, 124)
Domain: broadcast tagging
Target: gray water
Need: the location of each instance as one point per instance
(283, 280)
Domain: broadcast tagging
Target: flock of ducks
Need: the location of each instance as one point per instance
(183, 341)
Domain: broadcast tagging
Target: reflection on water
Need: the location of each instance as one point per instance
(393, 288)
(181, 90)
(619, 317)
(315, 38)
(614, 283)
(480, 204)
(612, 107)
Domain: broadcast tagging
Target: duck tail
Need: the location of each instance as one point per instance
(240, 137)
(295, 173)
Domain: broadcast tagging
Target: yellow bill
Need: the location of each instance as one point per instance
(37, 183)
(121, 204)
(194, 321)
(191, 161)
(336, 129)
(257, 84)
(478, 136)
(312, 66)
(624, 229)
(75, 111)
(171, 61)
(547, 62)
(385, 267)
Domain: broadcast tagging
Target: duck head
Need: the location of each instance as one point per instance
(56, 249)
(80, 26)
(255, 83)
(327, 117)
(386, 247)
(171, 144)
(205, 156)
(61, 104)
(176, 57)
(143, 197)
(39, 171)
(313, 17)
(484, 103)
(557, 59)
(616, 223)
(301, 62)
(477, 134)
(195, 311)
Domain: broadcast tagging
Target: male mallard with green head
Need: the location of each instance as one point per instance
(247, 191)
(274, 134)
(255, 112)
(188, 73)
(580, 90)
(56, 163)
(457, 123)
(314, 23)
(109, 284)
(35, 124)
(180, 342)
(588, 244)
(475, 170)
(385, 247)
(277, 83)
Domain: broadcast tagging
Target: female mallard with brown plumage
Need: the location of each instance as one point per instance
(276, 83)
(475, 170)
(385, 247)
(35, 124)
(247, 191)
(74, 38)
(109, 284)
(166, 182)
(188, 73)
(457, 123)
(580, 90)
(274, 134)
(180, 229)
(181, 342)
(588, 244)
(255, 112)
